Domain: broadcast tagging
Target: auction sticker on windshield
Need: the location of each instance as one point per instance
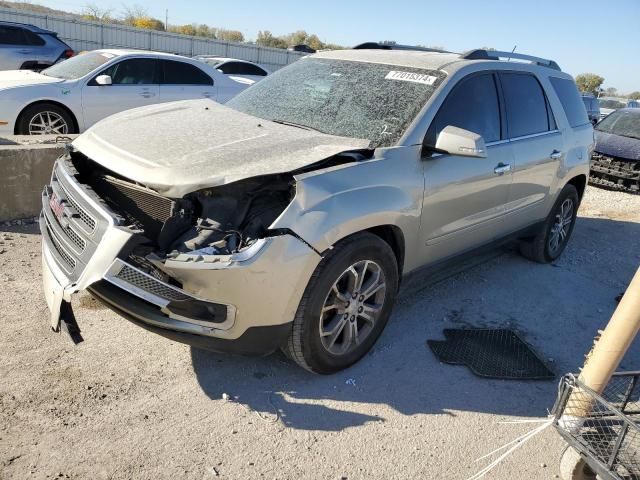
(411, 77)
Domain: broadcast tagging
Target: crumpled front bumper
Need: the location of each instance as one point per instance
(252, 297)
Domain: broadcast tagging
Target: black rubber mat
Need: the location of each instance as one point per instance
(492, 353)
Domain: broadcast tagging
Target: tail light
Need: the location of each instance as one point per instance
(68, 53)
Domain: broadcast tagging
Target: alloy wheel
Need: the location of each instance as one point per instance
(560, 229)
(352, 307)
(48, 123)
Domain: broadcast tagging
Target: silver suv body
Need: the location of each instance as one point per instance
(27, 47)
(287, 217)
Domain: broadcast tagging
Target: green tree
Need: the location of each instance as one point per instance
(266, 39)
(634, 95)
(589, 82)
(229, 35)
(203, 30)
(611, 91)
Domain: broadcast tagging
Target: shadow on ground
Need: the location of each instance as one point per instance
(558, 308)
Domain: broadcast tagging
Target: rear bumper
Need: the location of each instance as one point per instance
(254, 341)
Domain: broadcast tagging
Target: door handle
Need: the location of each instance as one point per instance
(207, 94)
(555, 155)
(147, 94)
(501, 169)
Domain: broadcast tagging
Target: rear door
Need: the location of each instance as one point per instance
(465, 197)
(537, 145)
(18, 47)
(184, 81)
(134, 84)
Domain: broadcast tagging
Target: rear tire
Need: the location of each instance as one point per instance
(45, 119)
(553, 236)
(345, 306)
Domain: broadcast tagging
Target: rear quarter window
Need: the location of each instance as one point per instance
(567, 92)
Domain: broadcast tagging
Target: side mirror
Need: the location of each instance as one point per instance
(458, 141)
(103, 80)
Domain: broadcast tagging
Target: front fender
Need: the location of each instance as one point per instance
(334, 203)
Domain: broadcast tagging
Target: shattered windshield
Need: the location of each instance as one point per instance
(620, 122)
(349, 99)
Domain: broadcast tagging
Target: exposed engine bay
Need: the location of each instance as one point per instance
(222, 220)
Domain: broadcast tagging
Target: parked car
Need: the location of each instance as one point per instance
(615, 163)
(29, 47)
(609, 105)
(287, 217)
(633, 104)
(592, 106)
(72, 95)
(237, 69)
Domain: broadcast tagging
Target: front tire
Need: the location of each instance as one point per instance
(45, 119)
(552, 239)
(345, 306)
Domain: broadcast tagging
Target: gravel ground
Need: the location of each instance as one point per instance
(130, 404)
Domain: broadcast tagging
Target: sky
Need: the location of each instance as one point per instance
(582, 36)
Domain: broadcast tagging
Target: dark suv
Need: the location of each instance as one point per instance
(29, 47)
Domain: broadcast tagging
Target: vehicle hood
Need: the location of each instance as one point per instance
(617, 145)
(177, 148)
(23, 78)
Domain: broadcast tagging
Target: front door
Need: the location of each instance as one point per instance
(465, 197)
(134, 84)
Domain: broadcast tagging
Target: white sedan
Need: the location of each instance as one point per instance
(238, 70)
(71, 96)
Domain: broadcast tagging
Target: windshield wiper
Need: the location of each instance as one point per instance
(297, 125)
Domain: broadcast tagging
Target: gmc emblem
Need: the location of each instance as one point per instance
(57, 206)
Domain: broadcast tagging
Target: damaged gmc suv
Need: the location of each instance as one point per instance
(287, 217)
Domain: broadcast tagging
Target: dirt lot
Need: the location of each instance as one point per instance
(130, 404)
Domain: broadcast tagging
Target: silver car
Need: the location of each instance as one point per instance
(287, 217)
(27, 47)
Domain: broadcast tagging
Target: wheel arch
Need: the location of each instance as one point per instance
(394, 237)
(580, 182)
(51, 102)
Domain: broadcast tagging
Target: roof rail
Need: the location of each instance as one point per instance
(482, 54)
(394, 46)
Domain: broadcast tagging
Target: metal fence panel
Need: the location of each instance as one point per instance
(83, 35)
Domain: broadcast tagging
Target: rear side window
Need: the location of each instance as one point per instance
(472, 105)
(180, 73)
(526, 105)
(19, 36)
(240, 68)
(569, 96)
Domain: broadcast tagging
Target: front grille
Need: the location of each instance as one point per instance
(86, 219)
(75, 238)
(149, 284)
(62, 253)
(615, 173)
(71, 224)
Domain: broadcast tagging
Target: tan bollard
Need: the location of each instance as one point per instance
(606, 354)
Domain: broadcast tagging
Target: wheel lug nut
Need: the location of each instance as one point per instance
(347, 304)
(360, 310)
(346, 315)
(353, 317)
(361, 298)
